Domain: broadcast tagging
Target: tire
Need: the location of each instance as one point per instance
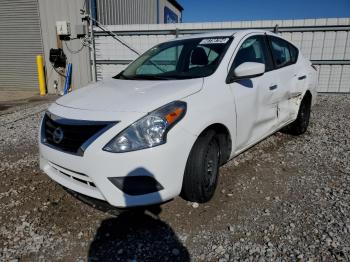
(202, 169)
(299, 126)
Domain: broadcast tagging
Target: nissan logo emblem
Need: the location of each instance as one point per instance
(58, 135)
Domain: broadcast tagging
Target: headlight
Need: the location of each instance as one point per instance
(149, 131)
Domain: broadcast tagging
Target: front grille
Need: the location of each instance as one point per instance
(71, 136)
(80, 177)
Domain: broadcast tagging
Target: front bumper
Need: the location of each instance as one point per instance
(89, 174)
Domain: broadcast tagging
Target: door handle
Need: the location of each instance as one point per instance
(273, 87)
(302, 77)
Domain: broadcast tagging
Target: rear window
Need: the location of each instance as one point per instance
(293, 53)
(283, 52)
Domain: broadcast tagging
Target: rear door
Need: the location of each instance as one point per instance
(284, 57)
(255, 111)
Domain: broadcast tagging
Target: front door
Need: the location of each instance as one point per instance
(256, 111)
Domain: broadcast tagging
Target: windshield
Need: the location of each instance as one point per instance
(182, 59)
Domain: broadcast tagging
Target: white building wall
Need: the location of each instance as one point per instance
(329, 47)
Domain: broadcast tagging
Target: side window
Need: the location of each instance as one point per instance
(253, 49)
(293, 53)
(281, 52)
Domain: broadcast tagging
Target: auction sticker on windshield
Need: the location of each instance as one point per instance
(214, 41)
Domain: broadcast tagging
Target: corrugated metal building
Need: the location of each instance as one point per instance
(64, 10)
(20, 42)
(326, 42)
(28, 29)
(115, 12)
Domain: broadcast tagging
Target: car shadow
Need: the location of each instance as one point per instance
(136, 234)
(246, 83)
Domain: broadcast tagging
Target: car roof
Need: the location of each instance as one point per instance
(223, 33)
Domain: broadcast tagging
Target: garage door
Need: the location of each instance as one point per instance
(20, 42)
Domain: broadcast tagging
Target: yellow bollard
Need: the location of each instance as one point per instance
(41, 75)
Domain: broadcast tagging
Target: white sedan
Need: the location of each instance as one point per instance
(164, 126)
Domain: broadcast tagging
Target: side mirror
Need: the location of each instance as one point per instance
(246, 70)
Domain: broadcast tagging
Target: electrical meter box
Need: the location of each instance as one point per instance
(80, 30)
(63, 28)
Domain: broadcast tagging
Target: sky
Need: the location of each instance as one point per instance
(232, 10)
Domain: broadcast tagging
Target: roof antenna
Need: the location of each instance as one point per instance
(275, 29)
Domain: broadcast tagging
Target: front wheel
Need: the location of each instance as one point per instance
(300, 124)
(202, 169)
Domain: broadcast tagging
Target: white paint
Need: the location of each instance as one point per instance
(250, 111)
(249, 69)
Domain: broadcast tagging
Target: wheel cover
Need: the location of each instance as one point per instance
(304, 115)
(211, 167)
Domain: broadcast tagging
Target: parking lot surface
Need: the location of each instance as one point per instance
(287, 198)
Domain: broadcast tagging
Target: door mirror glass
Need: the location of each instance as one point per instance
(249, 70)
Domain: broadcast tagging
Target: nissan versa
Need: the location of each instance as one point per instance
(163, 126)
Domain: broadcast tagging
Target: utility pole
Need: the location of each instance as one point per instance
(92, 36)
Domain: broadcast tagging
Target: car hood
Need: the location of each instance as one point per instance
(129, 95)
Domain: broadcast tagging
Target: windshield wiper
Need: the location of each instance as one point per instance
(153, 77)
(122, 76)
(181, 77)
(150, 77)
(140, 77)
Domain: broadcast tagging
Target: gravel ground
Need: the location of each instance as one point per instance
(286, 199)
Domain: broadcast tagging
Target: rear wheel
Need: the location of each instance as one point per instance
(202, 169)
(299, 126)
